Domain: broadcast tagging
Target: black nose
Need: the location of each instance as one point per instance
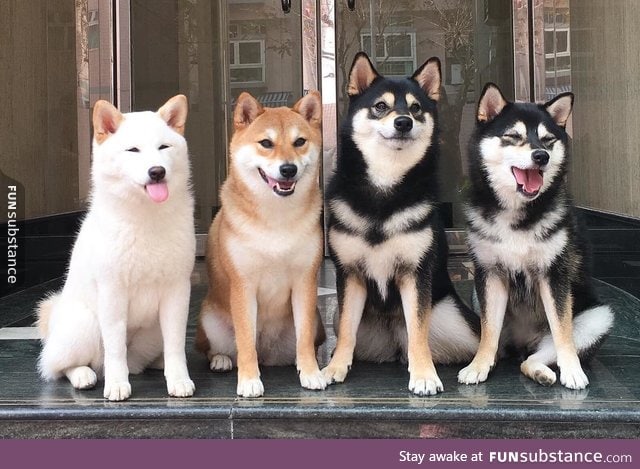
(540, 157)
(403, 123)
(288, 170)
(157, 173)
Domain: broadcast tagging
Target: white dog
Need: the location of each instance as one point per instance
(124, 305)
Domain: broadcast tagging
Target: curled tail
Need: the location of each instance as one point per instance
(43, 311)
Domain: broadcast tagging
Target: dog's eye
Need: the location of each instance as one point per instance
(513, 136)
(548, 140)
(381, 106)
(134, 150)
(266, 143)
(299, 142)
(414, 108)
(162, 147)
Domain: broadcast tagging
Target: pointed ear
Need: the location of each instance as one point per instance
(559, 108)
(106, 120)
(361, 75)
(492, 102)
(247, 110)
(429, 77)
(174, 113)
(310, 107)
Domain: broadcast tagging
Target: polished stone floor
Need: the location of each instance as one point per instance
(373, 402)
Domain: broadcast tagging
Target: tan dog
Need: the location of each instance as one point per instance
(265, 247)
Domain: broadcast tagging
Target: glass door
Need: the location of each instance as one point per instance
(211, 52)
(473, 40)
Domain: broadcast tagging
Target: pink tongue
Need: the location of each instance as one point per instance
(159, 192)
(530, 179)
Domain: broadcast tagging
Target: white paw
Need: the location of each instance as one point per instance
(82, 377)
(220, 363)
(425, 386)
(474, 373)
(539, 372)
(250, 387)
(117, 391)
(314, 380)
(573, 377)
(335, 373)
(180, 387)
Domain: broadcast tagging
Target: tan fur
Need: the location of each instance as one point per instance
(264, 250)
(106, 120)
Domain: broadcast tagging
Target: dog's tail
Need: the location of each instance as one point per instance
(454, 332)
(43, 311)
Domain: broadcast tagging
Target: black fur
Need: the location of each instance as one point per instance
(350, 184)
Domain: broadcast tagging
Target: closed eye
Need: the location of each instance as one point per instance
(548, 139)
(513, 136)
(134, 150)
(162, 147)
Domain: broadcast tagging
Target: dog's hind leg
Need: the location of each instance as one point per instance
(144, 348)
(589, 329)
(72, 343)
(219, 334)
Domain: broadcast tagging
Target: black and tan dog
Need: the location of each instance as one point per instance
(531, 259)
(396, 300)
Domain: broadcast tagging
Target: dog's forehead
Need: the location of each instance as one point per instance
(524, 118)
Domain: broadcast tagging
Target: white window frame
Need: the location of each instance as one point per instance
(236, 65)
(557, 54)
(389, 58)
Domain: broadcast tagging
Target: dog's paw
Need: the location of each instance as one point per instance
(117, 391)
(250, 387)
(82, 377)
(313, 380)
(422, 385)
(474, 373)
(335, 373)
(220, 363)
(544, 376)
(573, 377)
(180, 387)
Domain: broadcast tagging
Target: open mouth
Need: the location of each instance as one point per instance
(280, 187)
(529, 181)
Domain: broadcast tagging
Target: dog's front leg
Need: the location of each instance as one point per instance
(351, 307)
(558, 309)
(304, 297)
(244, 313)
(493, 294)
(112, 316)
(423, 378)
(174, 311)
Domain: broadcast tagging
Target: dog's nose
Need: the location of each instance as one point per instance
(403, 123)
(540, 157)
(157, 173)
(288, 170)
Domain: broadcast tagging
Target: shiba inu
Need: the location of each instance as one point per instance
(265, 247)
(396, 300)
(124, 304)
(531, 264)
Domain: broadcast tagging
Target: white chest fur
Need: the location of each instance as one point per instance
(497, 242)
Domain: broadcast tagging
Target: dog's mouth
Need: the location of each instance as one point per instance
(529, 181)
(282, 187)
(157, 191)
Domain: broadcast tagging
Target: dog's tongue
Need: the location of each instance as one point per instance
(530, 179)
(158, 192)
(283, 185)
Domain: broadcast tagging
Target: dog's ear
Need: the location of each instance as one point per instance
(429, 77)
(247, 110)
(559, 108)
(106, 120)
(361, 75)
(174, 113)
(492, 102)
(310, 107)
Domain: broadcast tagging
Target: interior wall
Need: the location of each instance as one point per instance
(38, 130)
(605, 66)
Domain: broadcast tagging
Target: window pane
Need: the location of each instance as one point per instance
(239, 75)
(249, 53)
(399, 45)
